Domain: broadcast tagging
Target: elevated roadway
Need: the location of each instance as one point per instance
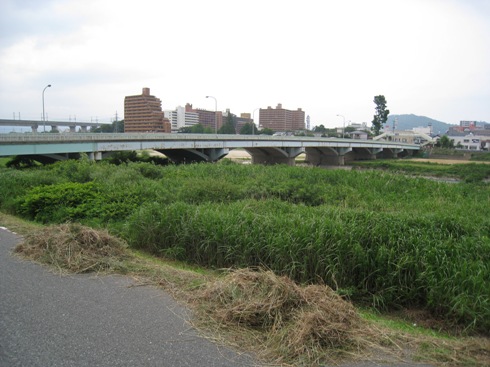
(181, 148)
(34, 124)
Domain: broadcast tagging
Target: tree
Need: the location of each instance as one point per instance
(185, 130)
(196, 129)
(445, 142)
(266, 131)
(229, 127)
(381, 114)
(115, 127)
(249, 129)
(20, 162)
(320, 129)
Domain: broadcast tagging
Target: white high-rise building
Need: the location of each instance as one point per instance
(180, 118)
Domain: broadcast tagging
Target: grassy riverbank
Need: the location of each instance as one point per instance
(462, 170)
(378, 238)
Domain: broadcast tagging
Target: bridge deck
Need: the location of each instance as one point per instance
(206, 145)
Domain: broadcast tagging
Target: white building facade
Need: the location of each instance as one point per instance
(471, 142)
(179, 118)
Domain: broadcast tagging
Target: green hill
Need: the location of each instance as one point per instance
(408, 122)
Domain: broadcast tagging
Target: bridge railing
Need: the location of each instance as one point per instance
(67, 137)
(91, 137)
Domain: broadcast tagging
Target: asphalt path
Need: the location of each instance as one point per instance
(50, 320)
(84, 320)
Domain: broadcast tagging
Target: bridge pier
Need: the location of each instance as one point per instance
(326, 156)
(34, 128)
(194, 155)
(391, 152)
(363, 154)
(270, 156)
(95, 156)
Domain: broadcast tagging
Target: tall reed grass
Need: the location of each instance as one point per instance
(377, 237)
(385, 259)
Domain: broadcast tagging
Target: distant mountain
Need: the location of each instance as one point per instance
(408, 122)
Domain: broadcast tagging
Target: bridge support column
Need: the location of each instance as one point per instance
(326, 156)
(73, 129)
(83, 128)
(34, 128)
(95, 156)
(195, 155)
(366, 153)
(270, 156)
(391, 152)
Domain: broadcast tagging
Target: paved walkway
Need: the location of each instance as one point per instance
(86, 320)
(48, 320)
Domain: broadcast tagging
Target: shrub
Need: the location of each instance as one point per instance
(57, 203)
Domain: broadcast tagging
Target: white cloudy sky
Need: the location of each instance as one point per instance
(329, 57)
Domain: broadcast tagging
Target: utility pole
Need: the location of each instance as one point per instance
(115, 124)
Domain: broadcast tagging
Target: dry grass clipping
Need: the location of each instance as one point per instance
(75, 248)
(305, 323)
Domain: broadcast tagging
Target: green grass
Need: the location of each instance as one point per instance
(381, 238)
(480, 157)
(470, 172)
(404, 326)
(4, 161)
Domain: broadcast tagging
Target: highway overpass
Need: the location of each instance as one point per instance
(35, 125)
(181, 148)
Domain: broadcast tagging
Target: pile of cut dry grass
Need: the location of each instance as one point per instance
(306, 323)
(74, 248)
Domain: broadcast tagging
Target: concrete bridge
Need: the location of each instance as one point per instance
(34, 124)
(181, 148)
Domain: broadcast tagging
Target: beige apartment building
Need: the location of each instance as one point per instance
(143, 114)
(209, 119)
(280, 119)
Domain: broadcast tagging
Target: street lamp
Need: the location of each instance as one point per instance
(44, 119)
(215, 113)
(343, 129)
(253, 121)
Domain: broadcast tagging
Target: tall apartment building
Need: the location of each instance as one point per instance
(143, 114)
(280, 119)
(211, 119)
(182, 117)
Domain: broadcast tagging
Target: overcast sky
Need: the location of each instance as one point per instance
(328, 57)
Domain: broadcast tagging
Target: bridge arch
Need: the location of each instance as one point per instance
(194, 155)
(274, 155)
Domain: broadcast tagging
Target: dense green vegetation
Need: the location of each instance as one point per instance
(468, 172)
(481, 157)
(379, 238)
